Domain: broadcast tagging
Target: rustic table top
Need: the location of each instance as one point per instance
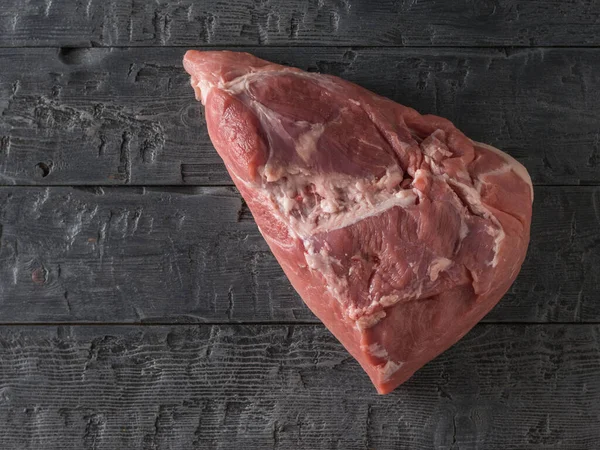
(139, 306)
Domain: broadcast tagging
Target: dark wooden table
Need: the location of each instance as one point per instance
(139, 306)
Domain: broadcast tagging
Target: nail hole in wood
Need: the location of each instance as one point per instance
(43, 169)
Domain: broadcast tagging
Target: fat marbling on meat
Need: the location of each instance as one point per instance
(396, 230)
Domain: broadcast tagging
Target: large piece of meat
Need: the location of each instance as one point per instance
(398, 231)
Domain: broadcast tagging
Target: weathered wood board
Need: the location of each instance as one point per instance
(290, 22)
(180, 254)
(128, 116)
(285, 387)
(141, 308)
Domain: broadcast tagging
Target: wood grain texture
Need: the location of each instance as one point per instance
(282, 387)
(191, 254)
(128, 116)
(124, 114)
(289, 22)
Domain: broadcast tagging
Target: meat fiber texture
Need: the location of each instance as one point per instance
(397, 231)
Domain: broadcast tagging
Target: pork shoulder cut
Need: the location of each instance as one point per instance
(396, 230)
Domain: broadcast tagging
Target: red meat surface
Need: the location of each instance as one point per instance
(397, 231)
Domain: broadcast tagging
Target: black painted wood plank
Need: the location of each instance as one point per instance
(191, 254)
(223, 387)
(127, 116)
(289, 22)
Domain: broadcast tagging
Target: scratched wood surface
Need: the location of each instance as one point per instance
(128, 116)
(284, 387)
(193, 254)
(291, 22)
(141, 309)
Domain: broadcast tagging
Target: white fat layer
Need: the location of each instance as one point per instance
(402, 199)
(205, 88)
(365, 322)
(343, 200)
(473, 198)
(438, 265)
(515, 165)
(497, 241)
(389, 300)
(389, 369)
(377, 351)
(435, 149)
(306, 144)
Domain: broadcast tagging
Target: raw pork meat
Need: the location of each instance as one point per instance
(398, 231)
